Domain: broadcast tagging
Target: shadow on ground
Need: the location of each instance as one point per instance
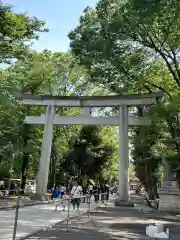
(112, 223)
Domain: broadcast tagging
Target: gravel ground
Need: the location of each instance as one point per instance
(112, 223)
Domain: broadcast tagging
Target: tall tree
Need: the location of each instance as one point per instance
(88, 154)
(16, 33)
(133, 47)
(40, 73)
(117, 38)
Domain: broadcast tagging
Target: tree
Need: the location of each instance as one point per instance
(118, 39)
(88, 155)
(16, 33)
(40, 73)
(37, 73)
(133, 47)
(146, 159)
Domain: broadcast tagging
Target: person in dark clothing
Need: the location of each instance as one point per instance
(84, 190)
(99, 192)
(53, 190)
(107, 190)
(12, 188)
(103, 190)
(96, 192)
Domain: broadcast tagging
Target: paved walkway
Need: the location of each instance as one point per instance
(112, 223)
(32, 218)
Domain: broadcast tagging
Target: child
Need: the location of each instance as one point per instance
(64, 201)
(56, 194)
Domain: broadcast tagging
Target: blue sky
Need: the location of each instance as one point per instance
(61, 17)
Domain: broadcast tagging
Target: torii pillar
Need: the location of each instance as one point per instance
(43, 173)
(123, 154)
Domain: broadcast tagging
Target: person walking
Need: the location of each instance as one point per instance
(63, 190)
(84, 192)
(90, 191)
(103, 191)
(76, 195)
(107, 190)
(96, 191)
(56, 193)
(64, 201)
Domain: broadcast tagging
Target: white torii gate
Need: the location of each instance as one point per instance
(122, 120)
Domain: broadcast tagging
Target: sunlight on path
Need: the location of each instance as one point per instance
(33, 218)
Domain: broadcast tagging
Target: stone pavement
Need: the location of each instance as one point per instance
(31, 219)
(112, 223)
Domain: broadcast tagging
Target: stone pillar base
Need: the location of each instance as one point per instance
(169, 197)
(124, 203)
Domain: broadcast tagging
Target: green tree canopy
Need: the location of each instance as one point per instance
(89, 155)
(133, 47)
(118, 41)
(16, 33)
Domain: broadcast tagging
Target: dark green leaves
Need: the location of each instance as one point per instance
(16, 33)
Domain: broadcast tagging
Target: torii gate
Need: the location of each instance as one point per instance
(86, 103)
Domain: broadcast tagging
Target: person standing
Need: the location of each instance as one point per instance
(64, 201)
(107, 189)
(103, 192)
(96, 191)
(76, 195)
(84, 192)
(91, 190)
(63, 189)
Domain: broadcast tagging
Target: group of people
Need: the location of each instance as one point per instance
(57, 192)
(78, 193)
(62, 193)
(100, 192)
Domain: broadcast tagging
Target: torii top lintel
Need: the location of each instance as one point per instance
(91, 101)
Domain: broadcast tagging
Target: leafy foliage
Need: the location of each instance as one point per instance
(40, 73)
(133, 47)
(88, 155)
(122, 47)
(16, 33)
(117, 40)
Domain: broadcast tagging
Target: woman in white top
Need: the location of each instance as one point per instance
(76, 195)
